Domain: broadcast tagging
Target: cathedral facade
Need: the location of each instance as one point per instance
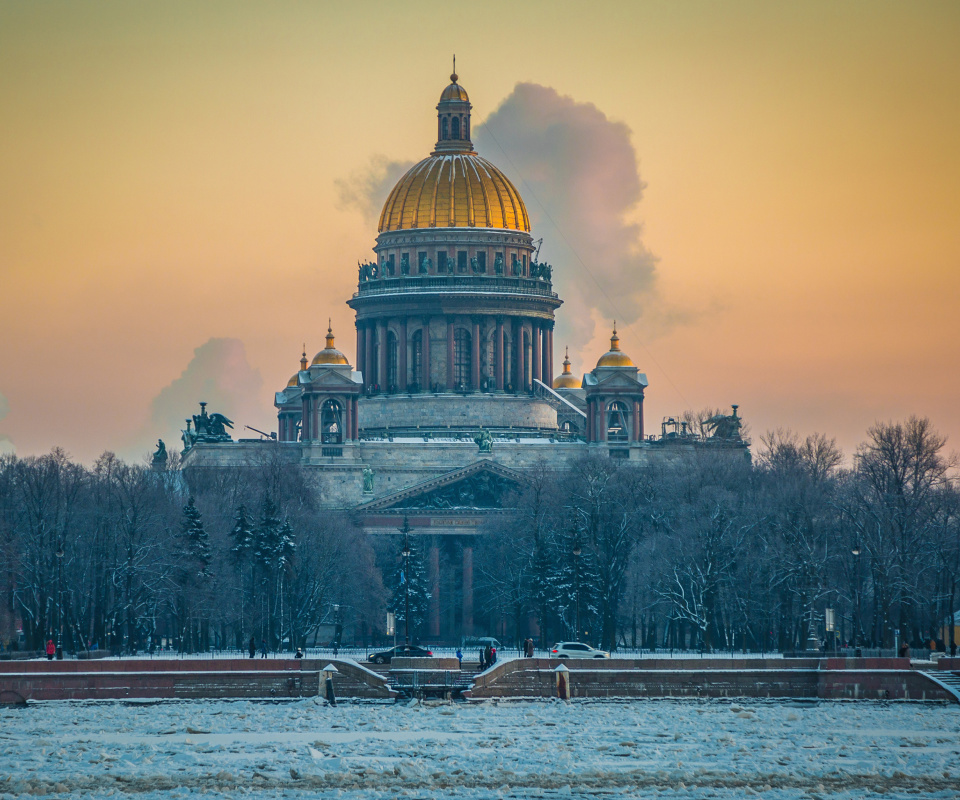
(452, 396)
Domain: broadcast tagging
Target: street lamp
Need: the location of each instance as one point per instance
(59, 555)
(858, 623)
(406, 582)
(576, 576)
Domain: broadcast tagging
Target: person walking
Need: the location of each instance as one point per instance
(253, 647)
(483, 659)
(263, 648)
(459, 658)
(51, 650)
(493, 655)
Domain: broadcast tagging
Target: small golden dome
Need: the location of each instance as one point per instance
(567, 380)
(329, 354)
(615, 357)
(459, 190)
(454, 92)
(295, 378)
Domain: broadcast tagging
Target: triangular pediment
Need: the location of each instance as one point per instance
(483, 485)
(624, 380)
(331, 378)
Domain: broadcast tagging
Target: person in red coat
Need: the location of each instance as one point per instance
(51, 650)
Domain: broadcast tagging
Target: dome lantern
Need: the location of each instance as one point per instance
(453, 118)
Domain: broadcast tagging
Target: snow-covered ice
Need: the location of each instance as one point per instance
(642, 749)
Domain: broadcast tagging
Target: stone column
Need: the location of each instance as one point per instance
(347, 421)
(425, 355)
(315, 425)
(449, 354)
(519, 371)
(435, 591)
(368, 379)
(360, 348)
(402, 356)
(548, 356)
(356, 419)
(467, 591)
(589, 431)
(640, 420)
(536, 354)
(475, 356)
(498, 345)
(382, 354)
(602, 419)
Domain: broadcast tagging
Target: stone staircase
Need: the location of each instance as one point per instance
(949, 681)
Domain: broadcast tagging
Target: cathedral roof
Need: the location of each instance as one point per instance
(454, 187)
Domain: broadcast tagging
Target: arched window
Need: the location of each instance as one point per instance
(392, 381)
(461, 359)
(416, 360)
(618, 422)
(331, 423)
(446, 132)
(455, 123)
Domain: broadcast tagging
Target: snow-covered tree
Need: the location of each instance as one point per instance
(409, 583)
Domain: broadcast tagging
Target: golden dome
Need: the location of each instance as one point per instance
(459, 190)
(295, 378)
(615, 357)
(454, 92)
(567, 380)
(329, 354)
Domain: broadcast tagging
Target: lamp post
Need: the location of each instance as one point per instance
(406, 582)
(576, 576)
(59, 555)
(857, 624)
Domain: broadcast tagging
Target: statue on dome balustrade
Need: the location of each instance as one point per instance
(475, 265)
(498, 264)
(517, 266)
(484, 440)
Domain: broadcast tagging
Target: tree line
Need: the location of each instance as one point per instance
(701, 548)
(711, 550)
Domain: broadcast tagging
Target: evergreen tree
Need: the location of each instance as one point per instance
(410, 577)
(242, 536)
(196, 540)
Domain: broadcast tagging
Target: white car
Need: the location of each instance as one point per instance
(576, 650)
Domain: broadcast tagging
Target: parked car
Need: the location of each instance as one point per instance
(400, 651)
(473, 642)
(576, 650)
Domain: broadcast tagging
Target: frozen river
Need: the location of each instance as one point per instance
(655, 749)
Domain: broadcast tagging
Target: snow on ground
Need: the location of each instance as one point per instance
(638, 749)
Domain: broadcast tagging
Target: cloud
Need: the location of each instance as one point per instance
(366, 190)
(579, 175)
(6, 443)
(219, 374)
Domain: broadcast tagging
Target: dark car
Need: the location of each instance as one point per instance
(400, 651)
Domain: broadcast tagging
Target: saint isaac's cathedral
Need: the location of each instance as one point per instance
(452, 394)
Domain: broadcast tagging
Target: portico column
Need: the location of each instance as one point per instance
(368, 379)
(315, 424)
(402, 356)
(435, 591)
(356, 419)
(347, 421)
(449, 353)
(602, 419)
(498, 344)
(640, 420)
(467, 591)
(475, 356)
(382, 354)
(425, 355)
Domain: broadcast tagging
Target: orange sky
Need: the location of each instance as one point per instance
(168, 175)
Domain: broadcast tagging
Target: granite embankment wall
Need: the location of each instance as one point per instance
(853, 679)
(183, 679)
